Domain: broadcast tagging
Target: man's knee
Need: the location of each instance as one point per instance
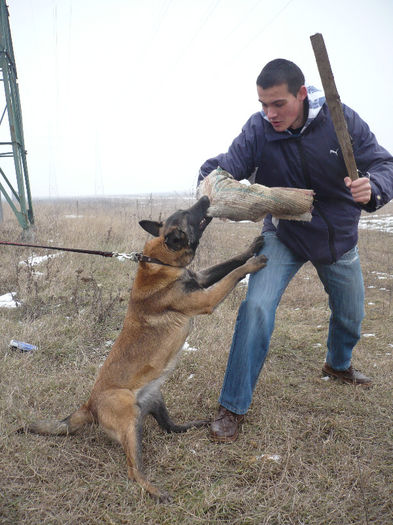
(257, 308)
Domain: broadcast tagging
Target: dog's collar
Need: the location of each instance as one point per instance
(145, 258)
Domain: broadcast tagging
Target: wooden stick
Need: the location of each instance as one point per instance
(334, 103)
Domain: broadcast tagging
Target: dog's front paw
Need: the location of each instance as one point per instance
(256, 245)
(256, 263)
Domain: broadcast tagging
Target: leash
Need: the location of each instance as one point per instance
(133, 256)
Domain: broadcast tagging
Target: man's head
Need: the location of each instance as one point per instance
(282, 92)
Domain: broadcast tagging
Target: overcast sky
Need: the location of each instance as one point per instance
(132, 96)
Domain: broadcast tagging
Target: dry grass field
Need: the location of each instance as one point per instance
(311, 451)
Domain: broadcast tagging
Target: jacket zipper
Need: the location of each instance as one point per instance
(307, 178)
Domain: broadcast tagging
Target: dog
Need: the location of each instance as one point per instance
(164, 298)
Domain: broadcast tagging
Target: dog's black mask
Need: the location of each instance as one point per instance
(184, 228)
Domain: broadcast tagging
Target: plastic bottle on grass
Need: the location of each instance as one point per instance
(23, 347)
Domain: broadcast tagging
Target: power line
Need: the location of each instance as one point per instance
(264, 27)
(202, 24)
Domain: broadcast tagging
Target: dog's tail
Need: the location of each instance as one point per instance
(69, 425)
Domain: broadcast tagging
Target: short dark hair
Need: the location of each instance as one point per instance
(281, 71)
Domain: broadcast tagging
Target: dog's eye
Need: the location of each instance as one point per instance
(176, 240)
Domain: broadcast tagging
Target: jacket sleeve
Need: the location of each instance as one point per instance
(372, 160)
(240, 159)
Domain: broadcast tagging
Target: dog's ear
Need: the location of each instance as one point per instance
(152, 227)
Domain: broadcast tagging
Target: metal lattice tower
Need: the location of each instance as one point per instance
(12, 149)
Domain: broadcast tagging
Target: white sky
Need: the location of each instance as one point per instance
(132, 96)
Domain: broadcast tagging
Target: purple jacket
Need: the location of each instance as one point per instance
(311, 159)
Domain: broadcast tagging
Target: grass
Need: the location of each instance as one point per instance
(333, 442)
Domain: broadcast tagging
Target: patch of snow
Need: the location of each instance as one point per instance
(368, 335)
(188, 348)
(383, 223)
(245, 280)
(7, 300)
(38, 259)
(382, 275)
(271, 457)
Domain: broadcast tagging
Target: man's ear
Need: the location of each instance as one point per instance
(302, 93)
(152, 227)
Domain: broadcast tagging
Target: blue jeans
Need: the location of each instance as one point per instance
(343, 282)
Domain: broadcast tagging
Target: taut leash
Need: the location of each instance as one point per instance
(133, 256)
(79, 250)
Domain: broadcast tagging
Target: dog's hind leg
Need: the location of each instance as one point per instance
(160, 413)
(121, 418)
(132, 447)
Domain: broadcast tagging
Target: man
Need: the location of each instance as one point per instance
(292, 143)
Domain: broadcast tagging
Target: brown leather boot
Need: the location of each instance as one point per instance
(225, 428)
(351, 375)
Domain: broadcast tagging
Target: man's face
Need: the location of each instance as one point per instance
(283, 109)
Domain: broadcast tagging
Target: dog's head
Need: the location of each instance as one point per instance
(180, 233)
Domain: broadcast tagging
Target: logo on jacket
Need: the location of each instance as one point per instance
(334, 152)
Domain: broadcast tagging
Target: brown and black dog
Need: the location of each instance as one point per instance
(164, 298)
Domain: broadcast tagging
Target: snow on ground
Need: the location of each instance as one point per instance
(382, 275)
(245, 280)
(34, 260)
(188, 348)
(7, 300)
(383, 223)
(271, 457)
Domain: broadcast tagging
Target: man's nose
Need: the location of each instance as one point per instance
(271, 112)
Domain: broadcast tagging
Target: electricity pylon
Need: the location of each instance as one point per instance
(19, 197)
